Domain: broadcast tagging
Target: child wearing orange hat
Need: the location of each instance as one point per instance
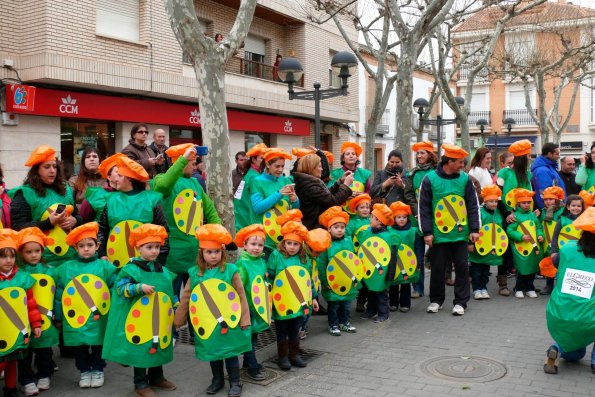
(139, 328)
(516, 176)
(83, 301)
(553, 206)
(30, 245)
(491, 246)
(564, 230)
(242, 206)
(290, 273)
(317, 241)
(19, 310)
(526, 233)
(219, 311)
(338, 271)
(361, 206)
(252, 269)
(378, 256)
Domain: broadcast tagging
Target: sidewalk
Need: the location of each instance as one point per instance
(386, 359)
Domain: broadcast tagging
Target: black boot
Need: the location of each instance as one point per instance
(10, 392)
(235, 387)
(218, 377)
(294, 355)
(283, 353)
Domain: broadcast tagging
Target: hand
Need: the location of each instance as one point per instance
(287, 190)
(152, 160)
(511, 218)
(313, 148)
(293, 197)
(105, 258)
(58, 324)
(56, 218)
(348, 178)
(537, 213)
(148, 289)
(526, 237)
(1, 190)
(37, 332)
(470, 248)
(429, 240)
(584, 159)
(159, 160)
(67, 223)
(473, 237)
(315, 305)
(190, 153)
(540, 239)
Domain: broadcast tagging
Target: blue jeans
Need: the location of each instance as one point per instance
(338, 312)
(400, 295)
(480, 274)
(575, 355)
(525, 282)
(378, 303)
(420, 247)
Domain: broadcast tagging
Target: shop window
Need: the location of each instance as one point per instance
(253, 138)
(119, 19)
(178, 136)
(75, 136)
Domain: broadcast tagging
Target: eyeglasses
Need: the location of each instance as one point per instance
(142, 132)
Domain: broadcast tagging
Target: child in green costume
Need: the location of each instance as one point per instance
(361, 205)
(139, 328)
(553, 206)
(317, 242)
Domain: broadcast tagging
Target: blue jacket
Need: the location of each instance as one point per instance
(545, 174)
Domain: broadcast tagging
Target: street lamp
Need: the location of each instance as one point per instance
(510, 122)
(343, 63)
(422, 106)
(482, 123)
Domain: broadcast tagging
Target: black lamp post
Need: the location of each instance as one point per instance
(510, 122)
(343, 63)
(422, 106)
(481, 124)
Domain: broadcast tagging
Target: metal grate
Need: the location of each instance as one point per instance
(307, 355)
(265, 338)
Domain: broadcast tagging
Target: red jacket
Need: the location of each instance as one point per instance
(34, 314)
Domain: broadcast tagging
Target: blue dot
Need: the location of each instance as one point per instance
(193, 297)
(180, 222)
(440, 207)
(144, 301)
(453, 199)
(331, 268)
(279, 283)
(85, 279)
(302, 273)
(486, 228)
(268, 215)
(70, 290)
(117, 230)
(14, 294)
(164, 299)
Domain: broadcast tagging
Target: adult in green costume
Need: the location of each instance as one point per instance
(585, 175)
(36, 204)
(243, 211)
(569, 311)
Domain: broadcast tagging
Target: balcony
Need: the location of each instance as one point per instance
(478, 114)
(520, 116)
(255, 69)
(465, 70)
(383, 126)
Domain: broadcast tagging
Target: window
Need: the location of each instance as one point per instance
(333, 78)
(178, 136)
(118, 19)
(516, 97)
(75, 136)
(254, 51)
(520, 47)
(253, 138)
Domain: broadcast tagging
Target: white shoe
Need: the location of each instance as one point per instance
(85, 381)
(477, 294)
(519, 294)
(97, 379)
(30, 389)
(433, 308)
(532, 294)
(43, 384)
(484, 294)
(458, 310)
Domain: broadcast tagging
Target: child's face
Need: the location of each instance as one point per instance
(491, 204)
(337, 230)
(292, 247)
(7, 262)
(401, 220)
(374, 222)
(254, 245)
(31, 252)
(363, 210)
(149, 251)
(575, 207)
(549, 202)
(86, 248)
(525, 205)
(212, 256)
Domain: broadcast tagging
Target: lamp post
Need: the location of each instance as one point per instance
(343, 63)
(481, 124)
(422, 106)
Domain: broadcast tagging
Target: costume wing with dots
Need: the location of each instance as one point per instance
(119, 251)
(44, 290)
(85, 296)
(150, 319)
(342, 272)
(374, 255)
(568, 233)
(214, 304)
(14, 319)
(525, 248)
(450, 212)
(292, 291)
(492, 238)
(261, 299)
(269, 220)
(315, 275)
(59, 246)
(406, 262)
(187, 211)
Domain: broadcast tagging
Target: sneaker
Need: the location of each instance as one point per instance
(433, 308)
(378, 320)
(43, 384)
(366, 316)
(334, 330)
(551, 361)
(360, 308)
(393, 308)
(477, 294)
(30, 389)
(458, 310)
(347, 327)
(302, 334)
(484, 294)
(97, 379)
(415, 295)
(255, 374)
(85, 381)
(404, 309)
(519, 294)
(531, 294)
(163, 384)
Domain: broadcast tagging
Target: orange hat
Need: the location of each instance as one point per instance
(329, 156)
(523, 195)
(256, 150)
(244, 233)
(33, 235)
(109, 163)
(147, 233)
(294, 231)
(547, 268)
(131, 169)
(333, 215)
(384, 214)
(212, 236)
(8, 238)
(359, 199)
(453, 151)
(291, 215)
(174, 152)
(491, 192)
(400, 208)
(587, 197)
(428, 146)
(41, 154)
(318, 240)
(554, 192)
(586, 220)
(88, 230)
(274, 153)
(520, 148)
(352, 145)
(300, 152)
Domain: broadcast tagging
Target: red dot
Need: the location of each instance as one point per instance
(136, 313)
(192, 309)
(80, 320)
(277, 297)
(195, 320)
(281, 307)
(67, 302)
(130, 328)
(331, 277)
(112, 238)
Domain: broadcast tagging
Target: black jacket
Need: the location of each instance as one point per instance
(393, 193)
(569, 182)
(20, 215)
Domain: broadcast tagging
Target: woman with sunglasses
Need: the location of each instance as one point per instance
(139, 151)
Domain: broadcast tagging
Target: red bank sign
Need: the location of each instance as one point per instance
(71, 104)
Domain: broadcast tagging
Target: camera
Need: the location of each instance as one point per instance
(201, 150)
(60, 209)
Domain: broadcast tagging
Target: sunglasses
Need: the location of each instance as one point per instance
(142, 132)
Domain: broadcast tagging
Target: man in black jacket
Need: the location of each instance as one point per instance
(567, 173)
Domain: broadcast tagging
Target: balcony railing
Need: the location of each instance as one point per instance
(255, 69)
(520, 116)
(478, 114)
(466, 69)
(383, 126)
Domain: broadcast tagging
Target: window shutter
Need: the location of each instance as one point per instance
(254, 45)
(118, 18)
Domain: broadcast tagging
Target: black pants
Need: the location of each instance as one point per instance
(525, 282)
(400, 295)
(442, 253)
(480, 275)
(362, 295)
(288, 329)
(43, 363)
(142, 376)
(88, 358)
(378, 303)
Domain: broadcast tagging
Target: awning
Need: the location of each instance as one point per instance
(506, 141)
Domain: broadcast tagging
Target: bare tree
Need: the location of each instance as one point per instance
(209, 59)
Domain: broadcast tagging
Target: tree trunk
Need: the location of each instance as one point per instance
(404, 88)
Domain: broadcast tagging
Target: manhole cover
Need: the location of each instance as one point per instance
(469, 369)
(270, 376)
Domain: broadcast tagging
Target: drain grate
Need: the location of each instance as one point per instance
(265, 339)
(307, 355)
(270, 375)
(468, 369)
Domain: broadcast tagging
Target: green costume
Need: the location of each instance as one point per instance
(416, 176)
(375, 254)
(489, 219)
(215, 313)
(186, 208)
(83, 299)
(359, 184)
(44, 291)
(526, 256)
(139, 328)
(548, 228)
(508, 181)
(569, 311)
(14, 326)
(97, 198)
(244, 213)
(407, 271)
(586, 178)
(253, 271)
(356, 224)
(337, 270)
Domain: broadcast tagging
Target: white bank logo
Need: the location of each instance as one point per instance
(194, 117)
(69, 106)
(288, 128)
